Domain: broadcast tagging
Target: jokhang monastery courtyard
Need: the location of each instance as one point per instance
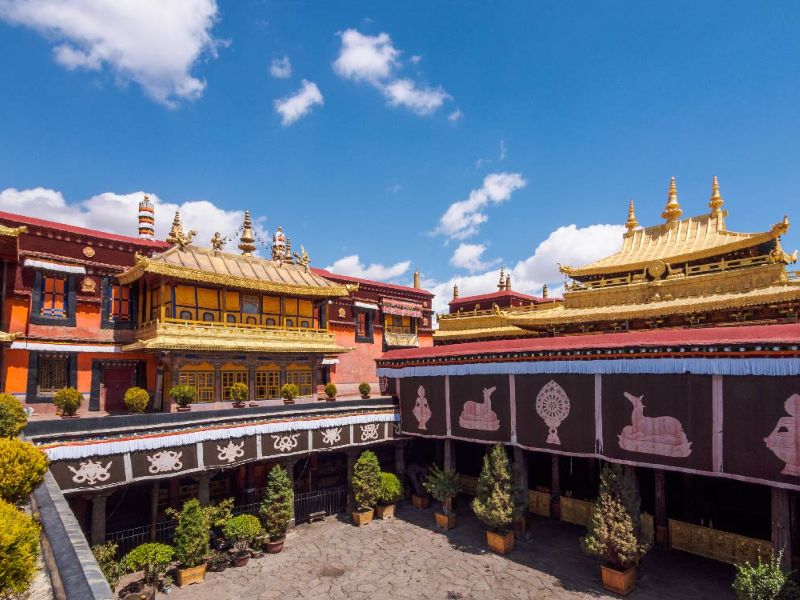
(677, 357)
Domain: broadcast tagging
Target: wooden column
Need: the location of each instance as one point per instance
(400, 463)
(782, 525)
(449, 455)
(99, 518)
(251, 381)
(521, 475)
(660, 518)
(203, 489)
(250, 482)
(174, 488)
(153, 510)
(218, 383)
(158, 398)
(555, 488)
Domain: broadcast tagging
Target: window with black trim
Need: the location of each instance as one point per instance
(52, 375)
(363, 323)
(53, 299)
(120, 303)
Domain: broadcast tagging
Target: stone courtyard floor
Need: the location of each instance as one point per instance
(407, 557)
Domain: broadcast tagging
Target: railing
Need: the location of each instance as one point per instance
(331, 500)
(224, 325)
(128, 539)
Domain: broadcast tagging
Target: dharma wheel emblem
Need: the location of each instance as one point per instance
(552, 405)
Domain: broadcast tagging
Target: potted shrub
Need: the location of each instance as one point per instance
(242, 531)
(19, 550)
(13, 417)
(136, 399)
(614, 532)
(68, 400)
(444, 485)
(191, 543)
(330, 392)
(106, 557)
(239, 393)
(218, 562)
(153, 560)
(289, 392)
(390, 490)
(366, 479)
(493, 503)
(764, 580)
(277, 508)
(364, 389)
(183, 395)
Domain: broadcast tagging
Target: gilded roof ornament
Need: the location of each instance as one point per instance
(715, 202)
(631, 223)
(544, 291)
(508, 282)
(501, 285)
(176, 235)
(247, 241)
(673, 210)
(302, 259)
(217, 243)
(455, 291)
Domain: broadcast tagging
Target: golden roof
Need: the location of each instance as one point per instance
(190, 263)
(6, 231)
(676, 242)
(7, 338)
(221, 337)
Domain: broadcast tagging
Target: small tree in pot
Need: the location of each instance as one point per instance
(191, 543)
(364, 389)
(183, 395)
(289, 392)
(614, 533)
(494, 503)
(68, 400)
(242, 531)
(330, 392)
(390, 490)
(239, 393)
(444, 485)
(277, 508)
(152, 559)
(136, 399)
(366, 479)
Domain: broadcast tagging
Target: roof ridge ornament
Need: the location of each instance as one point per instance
(631, 223)
(176, 237)
(673, 210)
(501, 285)
(247, 241)
(715, 202)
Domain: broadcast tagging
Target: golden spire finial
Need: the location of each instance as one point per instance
(455, 291)
(631, 223)
(508, 282)
(544, 291)
(501, 285)
(715, 202)
(176, 235)
(672, 211)
(247, 241)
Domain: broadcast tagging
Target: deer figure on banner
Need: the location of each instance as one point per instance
(653, 435)
(479, 415)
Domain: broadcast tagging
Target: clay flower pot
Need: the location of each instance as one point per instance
(362, 518)
(384, 512)
(420, 501)
(241, 559)
(445, 521)
(619, 582)
(183, 409)
(191, 575)
(276, 546)
(501, 543)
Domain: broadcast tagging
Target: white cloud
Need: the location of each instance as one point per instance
(423, 101)
(468, 256)
(365, 57)
(415, 60)
(352, 265)
(569, 245)
(292, 108)
(281, 68)
(117, 213)
(374, 59)
(463, 218)
(151, 42)
(456, 115)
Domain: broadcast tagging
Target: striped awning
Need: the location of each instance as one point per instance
(404, 309)
(51, 266)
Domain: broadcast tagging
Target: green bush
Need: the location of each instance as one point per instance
(277, 507)
(183, 395)
(192, 535)
(106, 557)
(22, 469)
(330, 390)
(366, 480)
(19, 549)
(765, 581)
(289, 391)
(68, 400)
(12, 416)
(239, 392)
(136, 399)
(493, 503)
(444, 485)
(364, 389)
(614, 532)
(389, 488)
(220, 513)
(152, 559)
(242, 531)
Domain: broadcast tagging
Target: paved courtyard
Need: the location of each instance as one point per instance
(408, 558)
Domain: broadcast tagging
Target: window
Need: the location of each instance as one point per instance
(230, 318)
(361, 330)
(54, 297)
(120, 303)
(305, 324)
(52, 374)
(268, 384)
(398, 324)
(271, 322)
(208, 316)
(228, 379)
(290, 322)
(251, 321)
(201, 381)
(250, 304)
(186, 315)
(302, 379)
(363, 326)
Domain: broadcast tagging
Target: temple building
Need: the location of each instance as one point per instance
(678, 357)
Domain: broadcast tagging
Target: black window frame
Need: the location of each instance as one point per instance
(369, 319)
(32, 395)
(106, 320)
(37, 296)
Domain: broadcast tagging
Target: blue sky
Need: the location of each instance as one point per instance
(541, 115)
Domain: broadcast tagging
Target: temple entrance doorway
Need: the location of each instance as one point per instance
(116, 381)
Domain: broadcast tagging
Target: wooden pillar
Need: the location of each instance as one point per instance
(99, 518)
(352, 456)
(400, 463)
(555, 488)
(204, 489)
(174, 488)
(313, 466)
(521, 475)
(153, 510)
(158, 398)
(660, 517)
(781, 525)
(218, 383)
(449, 455)
(251, 381)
